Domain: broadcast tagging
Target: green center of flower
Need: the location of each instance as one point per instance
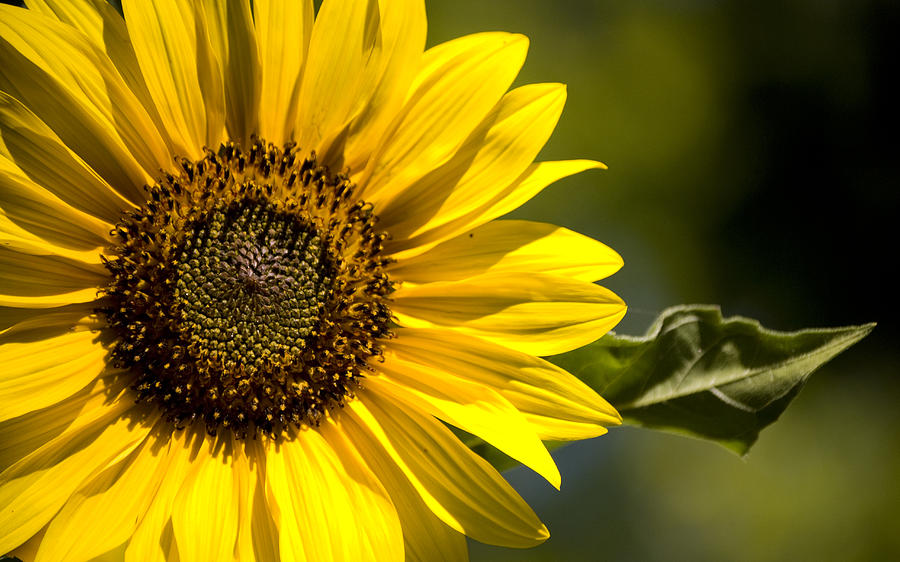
(248, 293)
(252, 285)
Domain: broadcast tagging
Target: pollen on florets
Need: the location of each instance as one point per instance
(248, 292)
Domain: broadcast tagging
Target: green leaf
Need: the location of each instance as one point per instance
(696, 374)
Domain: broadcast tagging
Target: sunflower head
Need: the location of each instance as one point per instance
(250, 273)
(248, 292)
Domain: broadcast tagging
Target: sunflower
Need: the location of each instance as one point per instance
(250, 277)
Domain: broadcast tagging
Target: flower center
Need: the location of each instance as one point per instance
(252, 284)
(248, 292)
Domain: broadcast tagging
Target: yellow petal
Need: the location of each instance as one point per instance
(36, 487)
(342, 39)
(21, 436)
(48, 301)
(532, 181)
(246, 481)
(11, 316)
(32, 325)
(108, 507)
(114, 555)
(511, 246)
(396, 52)
(494, 155)
(535, 178)
(331, 506)
(172, 46)
(233, 40)
(338, 34)
(105, 27)
(473, 408)
(205, 512)
(25, 206)
(257, 532)
(27, 144)
(457, 88)
(42, 272)
(18, 239)
(283, 30)
(72, 86)
(459, 487)
(263, 528)
(36, 281)
(538, 313)
(89, 17)
(153, 539)
(28, 550)
(38, 374)
(557, 405)
(425, 536)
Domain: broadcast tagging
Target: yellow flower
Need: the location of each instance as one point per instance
(249, 268)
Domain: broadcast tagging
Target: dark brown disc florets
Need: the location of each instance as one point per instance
(248, 292)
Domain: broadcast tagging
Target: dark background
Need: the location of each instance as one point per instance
(752, 149)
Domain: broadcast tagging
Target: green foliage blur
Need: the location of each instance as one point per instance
(750, 148)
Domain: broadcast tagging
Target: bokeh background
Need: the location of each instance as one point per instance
(752, 149)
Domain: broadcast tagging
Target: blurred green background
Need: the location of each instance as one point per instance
(752, 150)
